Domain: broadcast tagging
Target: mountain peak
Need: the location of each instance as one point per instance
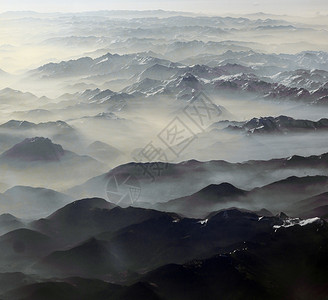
(282, 216)
(35, 149)
(81, 207)
(222, 190)
(13, 124)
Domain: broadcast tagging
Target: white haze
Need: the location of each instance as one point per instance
(29, 40)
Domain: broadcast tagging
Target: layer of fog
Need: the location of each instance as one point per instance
(64, 37)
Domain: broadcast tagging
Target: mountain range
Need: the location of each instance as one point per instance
(156, 253)
(163, 155)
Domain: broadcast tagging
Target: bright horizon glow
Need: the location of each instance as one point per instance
(290, 7)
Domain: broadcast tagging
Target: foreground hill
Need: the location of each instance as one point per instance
(255, 270)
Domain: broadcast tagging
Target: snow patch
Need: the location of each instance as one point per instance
(296, 221)
(203, 222)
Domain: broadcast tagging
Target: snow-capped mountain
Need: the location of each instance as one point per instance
(309, 79)
(280, 125)
(126, 65)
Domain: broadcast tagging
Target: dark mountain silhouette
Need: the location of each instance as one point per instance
(25, 125)
(193, 175)
(9, 222)
(316, 206)
(21, 247)
(14, 280)
(320, 211)
(277, 196)
(249, 249)
(249, 273)
(168, 238)
(25, 241)
(93, 257)
(280, 125)
(34, 149)
(85, 218)
(204, 201)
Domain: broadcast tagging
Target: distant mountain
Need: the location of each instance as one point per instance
(13, 124)
(204, 201)
(127, 65)
(48, 160)
(226, 79)
(179, 50)
(312, 60)
(110, 101)
(15, 97)
(280, 125)
(276, 196)
(278, 62)
(32, 114)
(105, 116)
(320, 211)
(8, 223)
(183, 81)
(282, 194)
(103, 152)
(162, 73)
(158, 72)
(58, 131)
(235, 73)
(309, 79)
(32, 203)
(39, 149)
(34, 149)
(253, 85)
(318, 200)
(316, 206)
(194, 176)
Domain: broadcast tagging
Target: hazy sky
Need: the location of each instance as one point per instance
(291, 7)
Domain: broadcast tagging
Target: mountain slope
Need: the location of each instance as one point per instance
(83, 219)
(35, 149)
(258, 271)
(9, 223)
(29, 202)
(194, 176)
(280, 125)
(204, 201)
(40, 160)
(91, 259)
